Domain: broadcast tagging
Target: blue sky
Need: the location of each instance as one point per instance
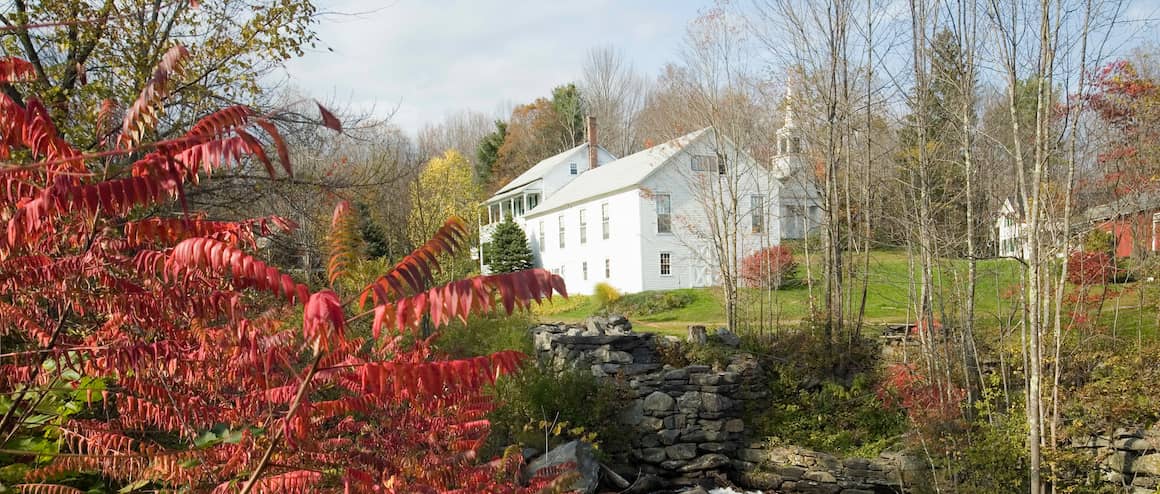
(429, 58)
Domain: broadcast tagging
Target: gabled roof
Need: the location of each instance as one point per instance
(540, 169)
(1124, 206)
(1014, 204)
(616, 176)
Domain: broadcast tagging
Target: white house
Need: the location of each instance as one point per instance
(542, 180)
(1009, 223)
(641, 222)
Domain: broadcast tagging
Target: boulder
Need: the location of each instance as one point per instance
(706, 462)
(577, 452)
(682, 451)
(728, 338)
(619, 321)
(1147, 465)
(658, 402)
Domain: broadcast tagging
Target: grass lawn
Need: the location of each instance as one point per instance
(888, 292)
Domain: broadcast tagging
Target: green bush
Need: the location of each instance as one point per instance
(484, 335)
(820, 398)
(569, 405)
(650, 303)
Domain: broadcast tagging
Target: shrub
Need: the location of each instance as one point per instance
(562, 405)
(771, 267)
(1091, 268)
(155, 351)
(486, 334)
(653, 302)
(820, 398)
(605, 294)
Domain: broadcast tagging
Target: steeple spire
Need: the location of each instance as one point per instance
(789, 139)
(790, 113)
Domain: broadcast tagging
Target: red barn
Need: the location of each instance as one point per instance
(1134, 223)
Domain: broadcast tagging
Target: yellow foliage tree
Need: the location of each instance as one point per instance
(443, 189)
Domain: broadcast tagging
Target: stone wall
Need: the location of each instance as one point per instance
(1129, 458)
(688, 421)
(794, 469)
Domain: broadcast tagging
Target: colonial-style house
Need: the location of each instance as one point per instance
(1133, 221)
(1012, 229)
(1010, 225)
(544, 179)
(647, 221)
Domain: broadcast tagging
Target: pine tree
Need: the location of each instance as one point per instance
(508, 250)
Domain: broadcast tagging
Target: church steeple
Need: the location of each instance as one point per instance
(789, 138)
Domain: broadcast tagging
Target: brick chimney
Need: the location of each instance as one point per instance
(592, 154)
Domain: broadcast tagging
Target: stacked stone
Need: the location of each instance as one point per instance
(605, 346)
(795, 469)
(1131, 457)
(688, 421)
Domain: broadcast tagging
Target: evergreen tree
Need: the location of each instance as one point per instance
(487, 152)
(375, 243)
(508, 250)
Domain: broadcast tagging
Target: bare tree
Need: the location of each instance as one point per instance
(614, 93)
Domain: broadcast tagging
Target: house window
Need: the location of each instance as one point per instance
(795, 145)
(604, 219)
(583, 229)
(584, 269)
(493, 214)
(533, 201)
(543, 244)
(757, 213)
(704, 163)
(664, 213)
(666, 264)
(518, 206)
(720, 166)
(1155, 232)
(607, 268)
(572, 169)
(560, 222)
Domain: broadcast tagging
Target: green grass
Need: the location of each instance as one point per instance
(889, 288)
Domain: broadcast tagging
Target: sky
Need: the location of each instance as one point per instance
(417, 61)
(424, 59)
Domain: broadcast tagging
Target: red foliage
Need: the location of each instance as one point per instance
(174, 336)
(1128, 102)
(1090, 268)
(769, 267)
(924, 401)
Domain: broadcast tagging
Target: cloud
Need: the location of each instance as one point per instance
(431, 58)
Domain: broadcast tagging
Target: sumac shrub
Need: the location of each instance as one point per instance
(151, 349)
(771, 267)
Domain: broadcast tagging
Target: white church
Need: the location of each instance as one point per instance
(645, 221)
